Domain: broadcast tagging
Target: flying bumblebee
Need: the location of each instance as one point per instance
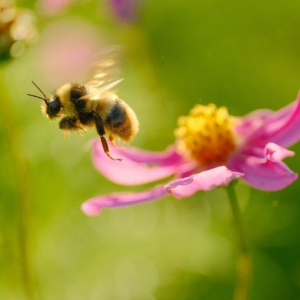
(93, 104)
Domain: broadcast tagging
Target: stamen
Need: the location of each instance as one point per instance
(206, 135)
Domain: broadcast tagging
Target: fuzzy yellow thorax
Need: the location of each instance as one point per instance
(206, 135)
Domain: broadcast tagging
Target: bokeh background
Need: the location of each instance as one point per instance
(241, 54)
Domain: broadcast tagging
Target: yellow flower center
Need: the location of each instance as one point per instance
(206, 135)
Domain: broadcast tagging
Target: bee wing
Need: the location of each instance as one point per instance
(104, 76)
(96, 93)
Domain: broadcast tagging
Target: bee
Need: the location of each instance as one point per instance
(93, 104)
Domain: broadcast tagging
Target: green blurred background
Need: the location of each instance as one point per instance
(241, 54)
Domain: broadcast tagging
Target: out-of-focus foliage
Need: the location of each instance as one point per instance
(244, 55)
(16, 29)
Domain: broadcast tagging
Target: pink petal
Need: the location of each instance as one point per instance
(94, 205)
(281, 127)
(252, 121)
(265, 171)
(203, 181)
(276, 153)
(169, 157)
(289, 133)
(131, 171)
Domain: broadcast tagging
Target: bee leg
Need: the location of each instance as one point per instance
(68, 123)
(101, 132)
(112, 140)
(80, 131)
(66, 134)
(106, 148)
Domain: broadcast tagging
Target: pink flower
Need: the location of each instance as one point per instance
(67, 50)
(126, 11)
(212, 149)
(51, 7)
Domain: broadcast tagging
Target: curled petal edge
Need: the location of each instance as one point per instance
(266, 172)
(276, 153)
(204, 181)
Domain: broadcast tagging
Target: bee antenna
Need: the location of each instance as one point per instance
(39, 98)
(45, 99)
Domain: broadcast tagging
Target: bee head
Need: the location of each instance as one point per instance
(51, 106)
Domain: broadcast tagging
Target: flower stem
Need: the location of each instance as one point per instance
(22, 188)
(242, 288)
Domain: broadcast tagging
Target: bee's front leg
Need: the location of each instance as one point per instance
(68, 123)
(101, 132)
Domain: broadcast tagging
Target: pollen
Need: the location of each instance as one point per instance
(206, 135)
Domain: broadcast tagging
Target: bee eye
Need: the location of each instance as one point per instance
(53, 107)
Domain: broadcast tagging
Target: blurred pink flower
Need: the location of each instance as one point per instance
(67, 50)
(126, 10)
(51, 7)
(212, 148)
